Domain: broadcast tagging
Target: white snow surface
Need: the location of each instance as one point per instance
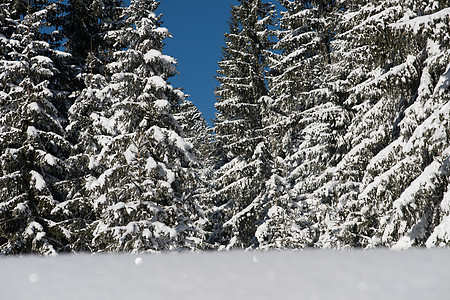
(32, 132)
(157, 82)
(162, 105)
(315, 275)
(423, 21)
(39, 180)
(152, 55)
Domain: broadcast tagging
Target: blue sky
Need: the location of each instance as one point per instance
(198, 28)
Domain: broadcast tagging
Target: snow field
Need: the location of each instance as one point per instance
(311, 275)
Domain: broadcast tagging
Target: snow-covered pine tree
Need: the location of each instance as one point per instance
(196, 131)
(85, 25)
(301, 119)
(80, 25)
(244, 162)
(279, 226)
(32, 143)
(417, 214)
(141, 169)
(391, 182)
(361, 46)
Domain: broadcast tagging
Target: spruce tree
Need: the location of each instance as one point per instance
(140, 167)
(302, 120)
(32, 144)
(195, 131)
(85, 24)
(384, 61)
(417, 216)
(244, 159)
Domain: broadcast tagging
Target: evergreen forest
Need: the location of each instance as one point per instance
(332, 129)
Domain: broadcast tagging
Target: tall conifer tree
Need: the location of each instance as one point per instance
(141, 168)
(388, 186)
(33, 147)
(301, 120)
(244, 157)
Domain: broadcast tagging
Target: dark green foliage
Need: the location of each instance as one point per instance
(243, 164)
(139, 171)
(32, 142)
(383, 62)
(332, 130)
(125, 146)
(242, 79)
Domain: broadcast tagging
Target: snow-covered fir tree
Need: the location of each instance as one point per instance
(244, 162)
(390, 186)
(336, 135)
(301, 121)
(196, 131)
(417, 208)
(140, 167)
(278, 226)
(87, 26)
(33, 147)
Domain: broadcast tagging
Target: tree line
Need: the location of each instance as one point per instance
(332, 129)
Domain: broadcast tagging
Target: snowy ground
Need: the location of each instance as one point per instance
(379, 274)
